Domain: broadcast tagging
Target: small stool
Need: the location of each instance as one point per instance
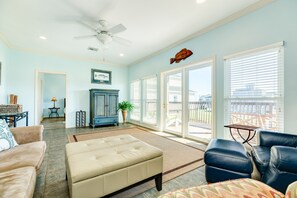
(225, 160)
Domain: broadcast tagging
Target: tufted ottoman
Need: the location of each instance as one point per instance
(225, 160)
(99, 167)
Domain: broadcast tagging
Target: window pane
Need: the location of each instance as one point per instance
(136, 100)
(150, 100)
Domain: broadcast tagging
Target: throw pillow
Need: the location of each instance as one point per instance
(7, 140)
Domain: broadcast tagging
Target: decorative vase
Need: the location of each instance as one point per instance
(124, 114)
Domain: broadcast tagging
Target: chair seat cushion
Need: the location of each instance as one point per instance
(227, 154)
(18, 183)
(240, 188)
(261, 156)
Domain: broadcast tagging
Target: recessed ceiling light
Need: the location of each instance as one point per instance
(200, 1)
(121, 54)
(43, 37)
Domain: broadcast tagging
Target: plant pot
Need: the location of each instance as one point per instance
(124, 114)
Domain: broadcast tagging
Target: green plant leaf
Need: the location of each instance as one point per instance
(125, 106)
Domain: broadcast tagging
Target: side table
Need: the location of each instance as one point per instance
(238, 127)
(53, 111)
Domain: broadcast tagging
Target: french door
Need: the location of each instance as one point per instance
(173, 102)
(188, 101)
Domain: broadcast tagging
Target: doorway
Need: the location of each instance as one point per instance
(50, 103)
(188, 101)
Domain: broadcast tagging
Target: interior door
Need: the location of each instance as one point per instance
(173, 102)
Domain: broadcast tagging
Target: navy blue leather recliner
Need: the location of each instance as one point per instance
(276, 158)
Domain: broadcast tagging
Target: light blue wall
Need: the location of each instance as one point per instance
(274, 23)
(54, 85)
(3, 60)
(20, 72)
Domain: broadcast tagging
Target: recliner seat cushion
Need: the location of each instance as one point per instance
(227, 154)
(261, 157)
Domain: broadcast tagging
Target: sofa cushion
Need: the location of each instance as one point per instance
(31, 154)
(261, 156)
(240, 188)
(6, 138)
(18, 183)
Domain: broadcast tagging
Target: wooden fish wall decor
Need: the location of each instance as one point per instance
(182, 55)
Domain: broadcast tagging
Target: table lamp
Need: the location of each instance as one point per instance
(54, 99)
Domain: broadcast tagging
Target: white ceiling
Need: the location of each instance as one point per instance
(152, 25)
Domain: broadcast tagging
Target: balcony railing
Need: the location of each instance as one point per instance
(257, 113)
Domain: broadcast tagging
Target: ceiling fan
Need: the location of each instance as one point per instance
(105, 34)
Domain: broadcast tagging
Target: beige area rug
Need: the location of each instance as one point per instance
(178, 158)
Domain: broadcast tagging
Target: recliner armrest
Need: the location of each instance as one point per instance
(284, 158)
(28, 134)
(271, 138)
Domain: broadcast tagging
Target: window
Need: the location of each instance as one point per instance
(254, 88)
(150, 100)
(135, 99)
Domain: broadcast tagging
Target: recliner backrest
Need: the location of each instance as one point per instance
(272, 138)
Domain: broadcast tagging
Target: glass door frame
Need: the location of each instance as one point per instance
(185, 87)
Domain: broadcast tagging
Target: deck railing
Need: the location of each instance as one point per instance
(257, 113)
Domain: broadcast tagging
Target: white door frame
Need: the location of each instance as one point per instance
(185, 79)
(36, 95)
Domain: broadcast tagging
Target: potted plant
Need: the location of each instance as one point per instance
(125, 106)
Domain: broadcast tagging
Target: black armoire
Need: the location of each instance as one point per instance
(103, 107)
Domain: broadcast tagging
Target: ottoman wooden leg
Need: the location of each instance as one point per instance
(158, 181)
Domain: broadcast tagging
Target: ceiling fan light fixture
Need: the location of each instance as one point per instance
(104, 38)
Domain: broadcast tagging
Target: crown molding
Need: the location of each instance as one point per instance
(209, 28)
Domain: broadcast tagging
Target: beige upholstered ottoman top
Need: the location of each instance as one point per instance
(91, 158)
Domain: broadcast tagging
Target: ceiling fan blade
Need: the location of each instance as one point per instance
(88, 25)
(117, 29)
(121, 40)
(83, 37)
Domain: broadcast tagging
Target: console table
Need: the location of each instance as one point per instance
(238, 127)
(14, 117)
(53, 110)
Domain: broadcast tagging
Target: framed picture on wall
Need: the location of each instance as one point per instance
(100, 76)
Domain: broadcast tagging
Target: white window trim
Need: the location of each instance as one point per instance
(256, 50)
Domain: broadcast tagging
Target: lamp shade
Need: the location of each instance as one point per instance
(54, 99)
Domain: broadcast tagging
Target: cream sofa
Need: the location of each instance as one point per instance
(19, 165)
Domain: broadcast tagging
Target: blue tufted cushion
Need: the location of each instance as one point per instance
(7, 140)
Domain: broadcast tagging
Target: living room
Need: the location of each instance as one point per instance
(254, 27)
